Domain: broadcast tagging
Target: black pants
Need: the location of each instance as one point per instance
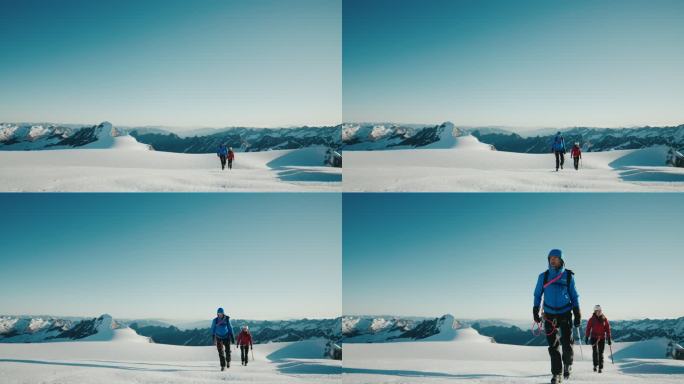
(223, 346)
(230, 164)
(576, 160)
(244, 353)
(223, 161)
(597, 347)
(561, 336)
(560, 159)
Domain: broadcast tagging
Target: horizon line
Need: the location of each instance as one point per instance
(531, 128)
(176, 127)
(296, 318)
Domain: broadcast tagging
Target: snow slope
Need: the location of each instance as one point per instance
(129, 358)
(470, 166)
(119, 163)
(468, 357)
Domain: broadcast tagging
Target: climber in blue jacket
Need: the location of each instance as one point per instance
(556, 286)
(222, 335)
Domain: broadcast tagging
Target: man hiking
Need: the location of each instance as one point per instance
(558, 149)
(222, 153)
(231, 156)
(576, 154)
(244, 341)
(557, 287)
(598, 334)
(222, 334)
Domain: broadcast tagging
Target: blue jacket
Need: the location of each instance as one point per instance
(558, 297)
(221, 328)
(222, 150)
(558, 143)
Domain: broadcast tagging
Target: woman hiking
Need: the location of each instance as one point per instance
(244, 341)
(576, 154)
(231, 157)
(598, 334)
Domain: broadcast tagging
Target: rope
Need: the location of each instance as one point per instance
(538, 328)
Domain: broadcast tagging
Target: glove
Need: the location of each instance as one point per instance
(610, 342)
(535, 315)
(577, 316)
(586, 340)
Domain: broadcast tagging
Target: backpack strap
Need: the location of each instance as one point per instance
(569, 279)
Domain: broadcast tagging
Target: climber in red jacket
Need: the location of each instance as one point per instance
(598, 334)
(576, 154)
(244, 341)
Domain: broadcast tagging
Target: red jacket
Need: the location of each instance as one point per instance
(244, 338)
(576, 152)
(598, 328)
(231, 155)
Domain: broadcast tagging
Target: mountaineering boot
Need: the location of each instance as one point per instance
(566, 371)
(594, 368)
(223, 369)
(556, 379)
(600, 370)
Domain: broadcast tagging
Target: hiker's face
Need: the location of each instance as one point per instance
(597, 312)
(220, 315)
(554, 261)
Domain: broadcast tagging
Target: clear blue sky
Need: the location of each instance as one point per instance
(173, 256)
(530, 63)
(479, 255)
(198, 63)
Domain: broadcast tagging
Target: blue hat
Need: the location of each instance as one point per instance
(556, 252)
(220, 310)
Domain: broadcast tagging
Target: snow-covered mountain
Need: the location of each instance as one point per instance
(394, 136)
(381, 329)
(34, 136)
(242, 139)
(591, 139)
(622, 330)
(370, 329)
(369, 136)
(263, 331)
(21, 329)
(26, 136)
(28, 329)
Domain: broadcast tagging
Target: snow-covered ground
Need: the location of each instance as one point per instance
(125, 357)
(468, 357)
(463, 164)
(121, 164)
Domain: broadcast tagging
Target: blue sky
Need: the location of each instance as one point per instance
(531, 63)
(174, 256)
(479, 255)
(209, 63)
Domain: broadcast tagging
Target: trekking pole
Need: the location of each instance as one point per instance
(610, 346)
(579, 336)
(252, 349)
